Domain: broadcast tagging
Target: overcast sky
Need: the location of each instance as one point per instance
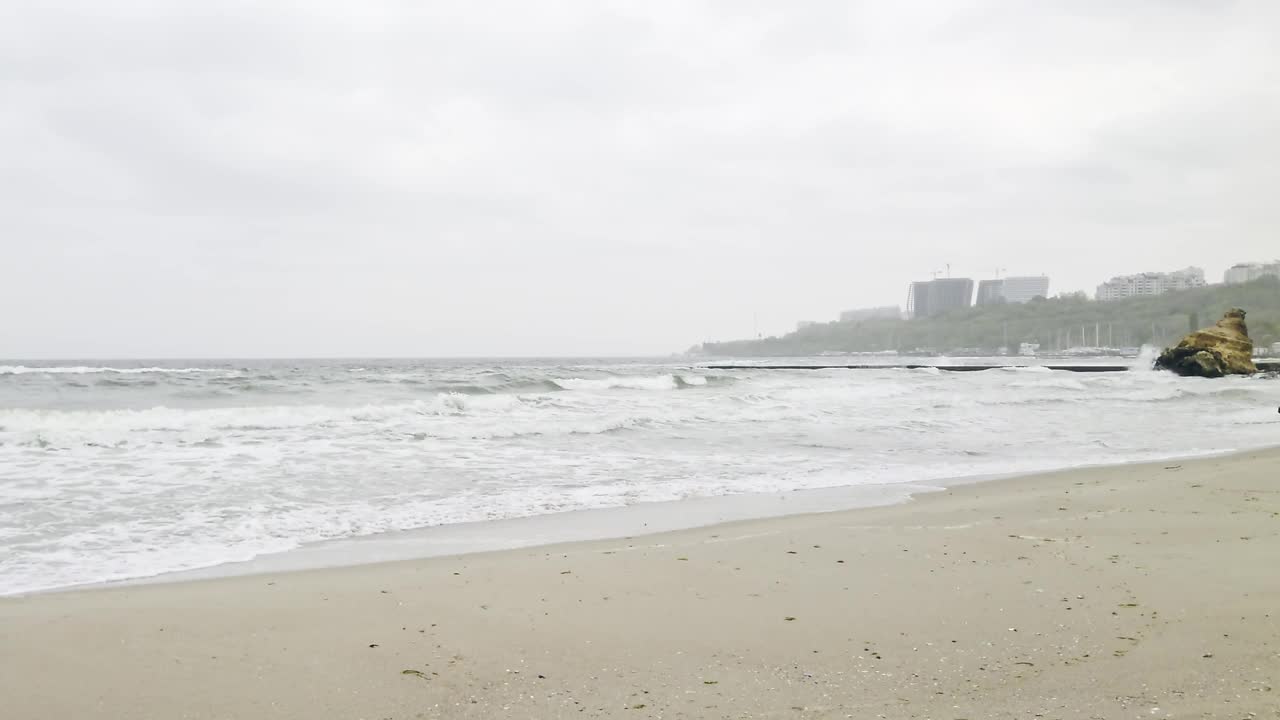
(316, 178)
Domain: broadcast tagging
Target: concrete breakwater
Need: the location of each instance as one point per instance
(1273, 366)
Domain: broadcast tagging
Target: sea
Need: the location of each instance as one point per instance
(113, 470)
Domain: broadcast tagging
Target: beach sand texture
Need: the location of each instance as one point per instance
(1144, 591)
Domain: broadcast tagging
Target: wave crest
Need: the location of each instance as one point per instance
(670, 381)
(86, 370)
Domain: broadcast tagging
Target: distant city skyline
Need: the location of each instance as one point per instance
(1150, 283)
(995, 290)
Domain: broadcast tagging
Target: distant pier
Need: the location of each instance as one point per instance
(1266, 366)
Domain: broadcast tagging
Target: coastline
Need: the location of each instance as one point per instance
(1113, 591)
(584, 525)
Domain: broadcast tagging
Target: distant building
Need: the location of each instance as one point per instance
(1013, 290)
(1248, 272)
(805, 324)
(888, 312)
(1024, 289)
(1242, 273)
(932, 298)
(1150, 283)
(990, 292)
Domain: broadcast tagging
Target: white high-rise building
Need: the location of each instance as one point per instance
(1150, 283)
(1248, 272)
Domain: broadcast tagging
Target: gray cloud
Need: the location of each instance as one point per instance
(471, 178)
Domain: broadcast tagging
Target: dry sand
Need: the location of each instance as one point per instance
(1130, 592)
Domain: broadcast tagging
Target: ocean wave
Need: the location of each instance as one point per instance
(511, 388)
(79, 425)
(669, 381)
(112, 382)
(213, 468)
(86, 370)
(504, 385)
(446, 415)
(1051, 383)
(498, 431)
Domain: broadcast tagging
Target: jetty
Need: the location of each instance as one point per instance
(1263, 366)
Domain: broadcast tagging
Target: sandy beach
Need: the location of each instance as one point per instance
(1126, 592)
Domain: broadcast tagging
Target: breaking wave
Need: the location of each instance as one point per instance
(85, 370)
(1146, 359)
(154, 469)
(627, 382)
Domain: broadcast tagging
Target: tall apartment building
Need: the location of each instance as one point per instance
(990, 292)
(1248, 272)
(928, 299)
(1150, 283)
(1016, 289)
(1021, 289)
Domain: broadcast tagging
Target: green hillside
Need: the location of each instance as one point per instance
(1056, 323)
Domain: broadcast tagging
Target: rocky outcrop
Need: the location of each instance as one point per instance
(1223, 349)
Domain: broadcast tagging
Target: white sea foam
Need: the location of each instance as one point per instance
(86, 370)
(1146, 359)
(1036, 369)
(95, 487)
(657, 382)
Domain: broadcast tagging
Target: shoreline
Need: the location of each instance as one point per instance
(1124, 591)
(1119, 591)
(585, 525)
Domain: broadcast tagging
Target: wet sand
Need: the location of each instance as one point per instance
(1128, 592)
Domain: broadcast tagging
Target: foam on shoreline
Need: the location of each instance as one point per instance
(578, 526)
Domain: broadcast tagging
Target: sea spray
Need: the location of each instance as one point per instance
(1146, 359)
